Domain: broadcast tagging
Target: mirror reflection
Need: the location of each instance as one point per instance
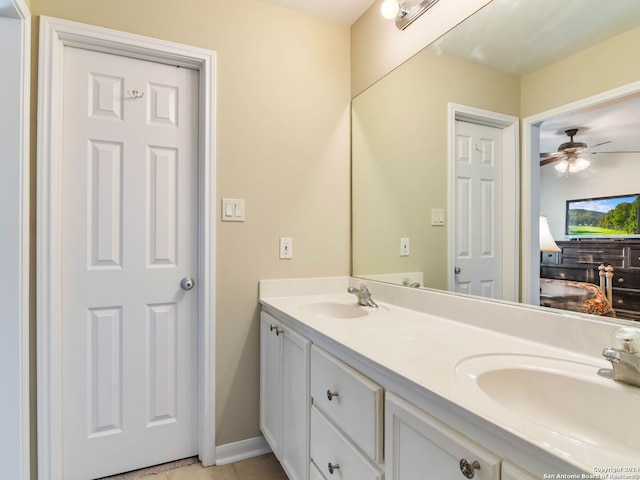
(512, 59)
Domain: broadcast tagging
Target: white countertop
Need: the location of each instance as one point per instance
(429, 351)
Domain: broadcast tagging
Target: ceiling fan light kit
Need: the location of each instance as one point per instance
(573, 165)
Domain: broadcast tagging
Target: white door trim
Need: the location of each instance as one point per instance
(531, 180)
(15, 94)
(510, 192)
(55, 35)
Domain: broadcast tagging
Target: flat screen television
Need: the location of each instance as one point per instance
(603, 217)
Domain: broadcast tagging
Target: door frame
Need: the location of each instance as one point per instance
(15, 93)
(531, 183)
(510, 192)
(55, 35)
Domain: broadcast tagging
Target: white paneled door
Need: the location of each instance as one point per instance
(477, 210)
(129, 235)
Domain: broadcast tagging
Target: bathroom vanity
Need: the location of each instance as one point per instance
(435, 386)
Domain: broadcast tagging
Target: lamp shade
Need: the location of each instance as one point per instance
(547, 243)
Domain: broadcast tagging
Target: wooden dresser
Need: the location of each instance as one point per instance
(578, 260)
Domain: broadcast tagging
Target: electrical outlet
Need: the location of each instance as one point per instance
(404, 247)
(286, 247)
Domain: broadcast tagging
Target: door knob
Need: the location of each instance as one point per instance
(187, 283)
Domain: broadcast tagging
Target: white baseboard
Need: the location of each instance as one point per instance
(234, 452)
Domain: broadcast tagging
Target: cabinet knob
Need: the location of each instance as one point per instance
(276, 328)
(621, 280)
(468, 469)
(620, 302)
(331, 394)
(333, 467)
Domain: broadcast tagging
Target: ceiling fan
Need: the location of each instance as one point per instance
(568, 154)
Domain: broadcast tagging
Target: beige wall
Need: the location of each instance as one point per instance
(605, 66)
(377, 46)
(399, 149)
(283, 88)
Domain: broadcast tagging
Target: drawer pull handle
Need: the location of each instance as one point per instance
(333, 467)
(620, 302)
(621, 280)
(276, 328)
(468, 469)
(331, 394)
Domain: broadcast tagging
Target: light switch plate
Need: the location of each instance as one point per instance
(437, 217)
(232, 210)
(404, 247)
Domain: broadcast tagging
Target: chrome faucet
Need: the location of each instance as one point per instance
(625, 360)
(364, 296)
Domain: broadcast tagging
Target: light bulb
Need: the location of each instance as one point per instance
(390, 9)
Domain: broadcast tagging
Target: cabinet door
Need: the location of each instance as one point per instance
(418, 445)
(271, 382)
(296, 404)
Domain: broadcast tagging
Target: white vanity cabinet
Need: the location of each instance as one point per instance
(329, 412)
(417, 445)
(284, 395)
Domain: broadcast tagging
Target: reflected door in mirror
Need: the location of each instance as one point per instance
(477, 205)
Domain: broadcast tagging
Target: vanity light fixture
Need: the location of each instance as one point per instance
(547, 243)
(405, 11)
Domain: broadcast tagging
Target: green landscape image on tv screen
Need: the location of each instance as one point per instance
(605, 216)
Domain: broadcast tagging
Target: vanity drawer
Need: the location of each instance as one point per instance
(351, 400)
(330, 447)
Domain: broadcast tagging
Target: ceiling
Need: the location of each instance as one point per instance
(345, 12)
(615, 122)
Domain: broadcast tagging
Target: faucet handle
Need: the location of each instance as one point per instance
(628, 338)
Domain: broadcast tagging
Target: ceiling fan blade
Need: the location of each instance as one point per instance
(552, 160)
(598, 144)
(623, 151)
(550, 154)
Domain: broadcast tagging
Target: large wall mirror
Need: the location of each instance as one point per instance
(532, 61)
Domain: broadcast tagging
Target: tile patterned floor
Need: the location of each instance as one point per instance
(264, 467)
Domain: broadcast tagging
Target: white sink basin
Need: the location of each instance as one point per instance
(334, 310)
(566, 398)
